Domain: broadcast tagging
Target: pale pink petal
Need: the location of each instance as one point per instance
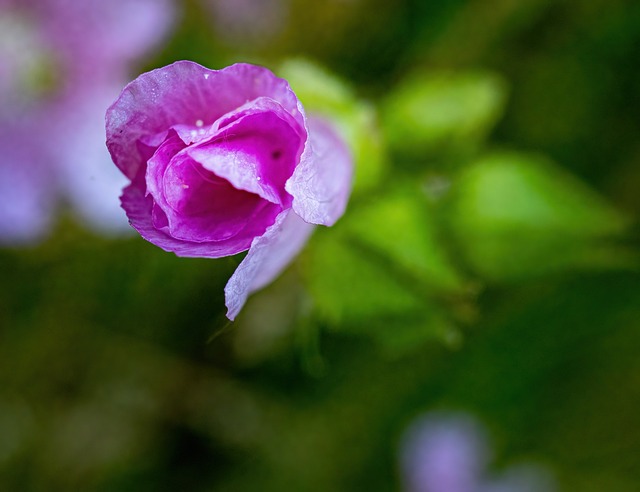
(189, 94)
(321, 183)
(268, 256)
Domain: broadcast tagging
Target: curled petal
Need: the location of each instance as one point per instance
(256, 150)
(321, 183)
(158, 163)
(194, 204)
(189, 94)
(140, 207)
(268, 256)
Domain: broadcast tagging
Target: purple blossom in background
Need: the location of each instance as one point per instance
(224, 161)
(449, 453)
(61, 63)
(25, 189)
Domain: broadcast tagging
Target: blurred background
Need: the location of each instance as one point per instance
(471, 324)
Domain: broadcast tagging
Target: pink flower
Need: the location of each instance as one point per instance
(226, 161)
(61, 63)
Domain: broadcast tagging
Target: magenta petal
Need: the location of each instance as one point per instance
(321, 183)
(157, 167)
(139, 208)
(194, 204)
(268, 256)
(190, 94)
(205, 207)
(255, 151)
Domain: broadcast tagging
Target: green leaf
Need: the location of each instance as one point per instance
(403, 335)
(403, 226)
(348, 287)
(518, 215)
(355, 293)
(324, 94)
(436, 111)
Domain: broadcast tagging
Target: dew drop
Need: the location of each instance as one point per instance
(199, 123)
(206, 76)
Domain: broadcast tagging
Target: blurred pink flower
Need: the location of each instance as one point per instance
(61, 63)
(449, 453)
(224, 161)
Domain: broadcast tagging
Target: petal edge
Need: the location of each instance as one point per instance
(268, 256)
(321, 184)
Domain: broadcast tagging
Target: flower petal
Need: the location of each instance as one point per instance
(321, 183)
(268, 256)
(205, 207)
(256, 150)
(139, 209)
(186, 93)
(194, 204)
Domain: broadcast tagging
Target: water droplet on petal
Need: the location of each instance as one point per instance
(199, 123)
(206, 76)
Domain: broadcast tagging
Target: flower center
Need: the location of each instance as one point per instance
(205, 207)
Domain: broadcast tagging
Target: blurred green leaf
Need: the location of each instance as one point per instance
(517, 215)
(434, 111)
(324, 94)
(356, 293)
(348, 287)
(403, 226)
(406, 334)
